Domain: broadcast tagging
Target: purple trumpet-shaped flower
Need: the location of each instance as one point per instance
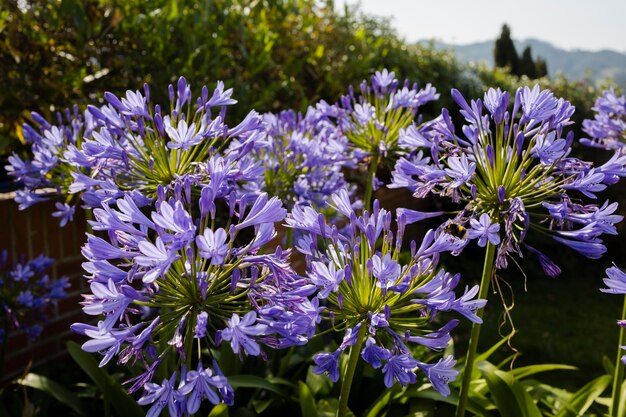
(239, 331)
(200, 384)
(616, 281)
(373, 354)
(326, 277)
(162, 395)
(182, 136)
(327, 363)
(65, 212)
(212, 245)
(157, 257)
(386, 270)
(440, 374)
(104, 339)
(484, 230)
(263, 211)
(400, 368)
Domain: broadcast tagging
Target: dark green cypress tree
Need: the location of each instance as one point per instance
(504, 53)
(541, 68)
(527, 65)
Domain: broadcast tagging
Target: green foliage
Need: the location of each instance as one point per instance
(56, 390)
(113, 393)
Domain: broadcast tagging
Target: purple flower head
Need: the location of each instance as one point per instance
(608, 128)
(380, 303)
(514, 169)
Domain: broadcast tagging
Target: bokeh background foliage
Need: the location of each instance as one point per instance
(277, 54)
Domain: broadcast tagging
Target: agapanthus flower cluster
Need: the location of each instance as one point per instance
(372, 121)
(511, 172)
(380, 303)
(27, 295)
(608, 128)
(303, 156)
(173, 282)
(130, 145)
(616, 284)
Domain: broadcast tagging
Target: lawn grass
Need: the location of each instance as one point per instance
(564, 320)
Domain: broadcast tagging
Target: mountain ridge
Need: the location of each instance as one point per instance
(575, 64)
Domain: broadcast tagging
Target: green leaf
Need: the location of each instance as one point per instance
(508, 393)
(319, 385)
(380, 404)
(307, 402)
(56, 390)
(621, 409)
(473, 405)
(525, 371)
(327, 407)
(253, 381)
(220, 410)
(580, 401)
(112, 391)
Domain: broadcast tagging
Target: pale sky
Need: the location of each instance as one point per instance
(574, 24)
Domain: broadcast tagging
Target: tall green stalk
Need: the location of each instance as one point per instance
(618, 375)
(371, 176)
(348, 376)
(488, 266)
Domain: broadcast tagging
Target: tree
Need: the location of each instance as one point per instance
(526, 64)
(541, 68)
(504, 53)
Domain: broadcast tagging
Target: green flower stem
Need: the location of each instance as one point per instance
(618, 376)
(3, 343)
(371, 175)
(475, 334)
(346, 383)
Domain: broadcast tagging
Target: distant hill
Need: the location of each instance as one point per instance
(575, 64)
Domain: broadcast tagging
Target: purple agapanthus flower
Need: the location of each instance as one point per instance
(28, 294)
(131, 145)
(174, 279)
(511, 173)
(608, 128)
(380, 303)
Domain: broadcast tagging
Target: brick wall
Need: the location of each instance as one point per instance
(29, 233)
